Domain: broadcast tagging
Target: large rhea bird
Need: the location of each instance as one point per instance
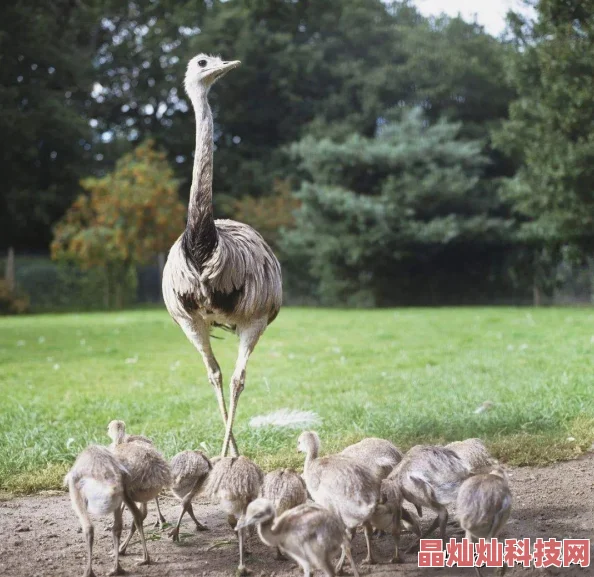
(219, 272)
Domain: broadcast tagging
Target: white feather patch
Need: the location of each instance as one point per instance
(291, 419)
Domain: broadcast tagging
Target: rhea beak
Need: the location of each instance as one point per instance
(222, 69)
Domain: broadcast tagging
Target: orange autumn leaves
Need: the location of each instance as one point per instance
(127, 216)
(269, 214)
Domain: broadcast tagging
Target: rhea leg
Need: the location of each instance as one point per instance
(174, 533)
(396, 529)
(142, 511)
(443, 521)
(139, 516)
(116, 531)
(350, 534)
(199, 526)
(78, 504)
(198, 333)
(241, 570)
(161, 519)
(369, 560)
(186, 506)
(248, 338)
(346, 547)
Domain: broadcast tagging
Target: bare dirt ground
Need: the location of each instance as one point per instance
(39, 536)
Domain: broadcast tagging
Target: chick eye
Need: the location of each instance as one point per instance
(202, 63)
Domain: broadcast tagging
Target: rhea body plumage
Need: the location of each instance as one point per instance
(234, 482)
(218, 272)
(116, 431)
(390, 515)
(483, 506)
(473, 453)
(430, 476)
(148, 473)
(345, 487)
(285, 489)
(378, 454)
(309, 533)
(96, 486)
(189, 471)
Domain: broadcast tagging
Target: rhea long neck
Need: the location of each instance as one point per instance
(200, 217)
(118, 437)
(267, 535)
(311, 455)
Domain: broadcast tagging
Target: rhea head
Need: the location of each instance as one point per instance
(204, 70)
(116, 431)
(258, 511)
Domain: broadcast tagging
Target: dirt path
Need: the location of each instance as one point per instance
(39, 536)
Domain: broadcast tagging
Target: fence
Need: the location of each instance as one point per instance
(52, 287)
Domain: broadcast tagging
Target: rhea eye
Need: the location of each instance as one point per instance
(202, 63)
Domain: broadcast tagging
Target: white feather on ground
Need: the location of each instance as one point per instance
(288, 418)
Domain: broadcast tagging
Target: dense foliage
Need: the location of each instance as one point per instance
(126, 218)
(550, 132)
(379, 207)
(389, 158)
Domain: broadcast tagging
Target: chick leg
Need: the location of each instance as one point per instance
(139, 517)
(79, 506)
(160, 519)
(116, 531)
(370, 559)
(199, 526)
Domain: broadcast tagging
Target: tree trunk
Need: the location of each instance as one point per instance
(536, 295)
(9, 273)
(107, 290)
(119, 294)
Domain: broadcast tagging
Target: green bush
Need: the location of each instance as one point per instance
(60, 287)
(12, 302)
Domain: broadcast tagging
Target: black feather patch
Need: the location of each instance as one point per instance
(188, 301)
(226, 302)
(199, 240)
(272, 315)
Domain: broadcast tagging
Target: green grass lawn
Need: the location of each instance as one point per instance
(414, 375)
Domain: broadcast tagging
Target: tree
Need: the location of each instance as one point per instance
(269, 214)
(46, 51)
(380, 211)
(127, 217)
(550, 130)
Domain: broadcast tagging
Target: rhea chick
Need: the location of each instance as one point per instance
(390, 515)
(189, 470)
(116, 431)
(378, 454)
(148, 475)
(96, 486)
(473, 453)
(285, 489)
(235, 482)
(483, 506)
(309, 534)
(430, 476)
(346, 488)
